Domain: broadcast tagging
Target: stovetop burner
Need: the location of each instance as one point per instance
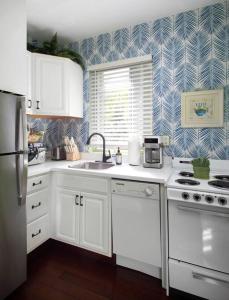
(187, 181)
(222, 177)
(220, 184)
(186, 174)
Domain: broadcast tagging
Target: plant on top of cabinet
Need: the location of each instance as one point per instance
(52, 47)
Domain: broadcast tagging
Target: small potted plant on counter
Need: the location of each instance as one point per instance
(201, 168)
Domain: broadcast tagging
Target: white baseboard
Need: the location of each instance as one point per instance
(138, 266)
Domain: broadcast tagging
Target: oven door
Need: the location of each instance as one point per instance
(199, 235)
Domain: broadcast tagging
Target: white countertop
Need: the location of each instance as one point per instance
(124, 171)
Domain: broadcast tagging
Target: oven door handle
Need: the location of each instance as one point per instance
(210, 279)
(203, 211)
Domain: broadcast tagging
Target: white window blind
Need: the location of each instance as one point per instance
(121, 103)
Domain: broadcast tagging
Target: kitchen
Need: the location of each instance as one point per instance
(114, 154)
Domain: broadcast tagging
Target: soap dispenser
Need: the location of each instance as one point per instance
(118, 157)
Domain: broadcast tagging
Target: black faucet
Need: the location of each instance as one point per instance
(105, 157)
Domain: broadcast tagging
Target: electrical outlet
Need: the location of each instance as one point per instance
(166, 140)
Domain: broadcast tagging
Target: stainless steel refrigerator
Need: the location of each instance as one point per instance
(13, 181)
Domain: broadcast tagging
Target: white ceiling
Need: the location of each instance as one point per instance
(78, 19)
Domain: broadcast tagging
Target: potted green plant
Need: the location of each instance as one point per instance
(52, 47)
(201, 168)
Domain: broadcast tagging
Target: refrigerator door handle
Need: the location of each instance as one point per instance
(21, 164)
(21, 171)
(19, 180)
(21, 126)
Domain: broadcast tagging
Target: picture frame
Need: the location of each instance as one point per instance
(202, 109)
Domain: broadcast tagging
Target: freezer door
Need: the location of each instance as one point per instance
(12, 123)
(12, 224)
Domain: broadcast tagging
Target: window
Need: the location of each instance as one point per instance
(121, 103)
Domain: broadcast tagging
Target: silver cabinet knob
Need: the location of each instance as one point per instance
(148, 192)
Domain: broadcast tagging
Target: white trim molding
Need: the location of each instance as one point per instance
(120, 63)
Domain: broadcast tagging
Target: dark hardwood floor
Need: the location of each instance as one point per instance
(62, 272)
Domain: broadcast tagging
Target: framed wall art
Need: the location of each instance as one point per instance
(202, 109)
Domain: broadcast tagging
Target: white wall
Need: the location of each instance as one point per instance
(13, 46)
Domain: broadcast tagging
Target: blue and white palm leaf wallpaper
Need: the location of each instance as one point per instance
(185, 139)
(190, 51)
(185, 24)
(212, 139)
(87, 48)
(160, 126)
(212, 17)
(162, 81)
(198, 48)
(140, 35)
(185, 77)
(103, 43)
(162, 29)
(212, 74)
(172, 108)
(173, 53)
(121, 39)
(221, 44)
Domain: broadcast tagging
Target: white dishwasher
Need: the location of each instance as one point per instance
(136, 225)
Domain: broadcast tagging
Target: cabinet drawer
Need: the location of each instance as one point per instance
(37, 233)
(82, 183)
(37, 205)
(37, 183)
(198, 281)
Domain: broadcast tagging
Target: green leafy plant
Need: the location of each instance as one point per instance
(201, 162)
(52, 47)
(201, 168)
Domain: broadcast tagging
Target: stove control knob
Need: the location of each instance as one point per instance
(222, 201)
(185, 195)
(209, 199)
(196, 197)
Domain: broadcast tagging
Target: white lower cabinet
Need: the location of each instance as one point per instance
(37, 205)
(37, 233)
(82, 219)
(37, 211)
(79, 213)
(67, 216)
(94, 222)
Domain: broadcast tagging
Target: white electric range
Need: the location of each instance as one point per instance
(198, 218)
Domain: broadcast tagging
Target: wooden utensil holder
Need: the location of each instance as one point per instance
(72, 156)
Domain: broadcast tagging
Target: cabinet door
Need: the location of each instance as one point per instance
(75, 89)
(29, 82)
(67, 216)
(94, 222)
(48, 87)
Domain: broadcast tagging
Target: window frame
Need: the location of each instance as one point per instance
(112, 66)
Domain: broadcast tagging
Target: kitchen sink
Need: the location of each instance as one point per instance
(92, 166)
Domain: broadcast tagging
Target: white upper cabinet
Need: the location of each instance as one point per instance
(29, 83)
(13, 46)
(57, 86)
